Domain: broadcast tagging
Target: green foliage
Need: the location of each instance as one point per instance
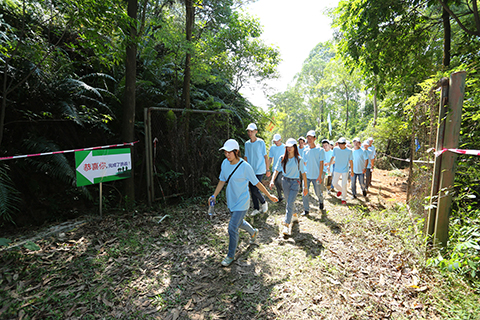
(32, 246)
(9, 196)
(462, 253)
(4, 242)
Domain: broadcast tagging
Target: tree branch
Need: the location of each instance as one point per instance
(454, 16)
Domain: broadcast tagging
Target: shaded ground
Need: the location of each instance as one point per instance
(345, 262)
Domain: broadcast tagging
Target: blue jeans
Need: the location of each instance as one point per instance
(361, 179)
(256, 195)
(318, 192)
(368, 178)
(290, 189)
(236, 222)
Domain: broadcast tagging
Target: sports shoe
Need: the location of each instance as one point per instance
(227, 261)
(265, 207)
(344, 202)
(364, 193)
(286, 229)
(254, 236)
(320, 206)
(295, 218)
(304, 213)
(254, 213)
(339, 193)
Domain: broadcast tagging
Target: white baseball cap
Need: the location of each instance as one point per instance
(302, 138)
(370, 139)
(252, 126)
(365, 143)
(311, 133)
(277, 137)
(357, 139)
(229, 145)
(342, 140)
(290, 142)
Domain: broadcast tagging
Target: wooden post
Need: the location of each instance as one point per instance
(149, 155)
(412, 151)
(456, 93)
(432, 212)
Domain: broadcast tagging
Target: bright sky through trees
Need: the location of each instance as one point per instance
(295, 27)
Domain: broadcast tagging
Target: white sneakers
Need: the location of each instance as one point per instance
(286, 229)
(254, 212)
(262, 210)
(265, 207)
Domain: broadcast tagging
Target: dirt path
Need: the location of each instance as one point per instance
(343, 263)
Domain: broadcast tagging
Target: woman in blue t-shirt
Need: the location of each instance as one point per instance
(237, 174)
(293, 169)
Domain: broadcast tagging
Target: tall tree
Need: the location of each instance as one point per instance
(128, 127)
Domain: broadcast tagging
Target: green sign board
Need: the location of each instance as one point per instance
(102, 165)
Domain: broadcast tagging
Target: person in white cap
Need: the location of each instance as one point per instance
(276, 151)
(301, 146)
(360, 162)
(368, 155)
(328, 152)
(237, 173)
(256, 156)
(293, 170)
(314, 157)
(372, 153)
(343, 158)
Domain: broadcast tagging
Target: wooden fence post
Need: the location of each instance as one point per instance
(456, 93)
(432, 212)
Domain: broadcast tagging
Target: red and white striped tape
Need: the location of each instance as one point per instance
(67, 151)
(459, 151)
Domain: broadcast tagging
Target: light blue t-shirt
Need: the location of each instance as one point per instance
(359, 157)
(301, 152)
(312, 159)
(291, 169)
(238, 195)
(370, 156)
(342, 159)
(328, 157)
(276, 152)
(373, 151)
(255, 153)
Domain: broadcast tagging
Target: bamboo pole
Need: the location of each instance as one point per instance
(432, 211)
(448, 166)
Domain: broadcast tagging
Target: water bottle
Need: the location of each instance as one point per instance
(211, 207)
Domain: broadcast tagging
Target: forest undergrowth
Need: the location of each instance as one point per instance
(359, 261)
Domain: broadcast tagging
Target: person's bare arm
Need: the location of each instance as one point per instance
(262, 188)
(217, 190)
(320, 176)
(267, 164)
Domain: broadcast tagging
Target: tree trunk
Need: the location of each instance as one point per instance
(447, 38)
(4, 100)
(128, 121)
(346, 106)
(375, 107)
(189, 20)
(189, 12)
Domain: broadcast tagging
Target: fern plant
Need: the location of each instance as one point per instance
(9, 196)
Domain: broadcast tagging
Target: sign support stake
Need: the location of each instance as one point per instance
(101, 197)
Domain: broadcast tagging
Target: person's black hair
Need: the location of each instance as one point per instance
(285, 157)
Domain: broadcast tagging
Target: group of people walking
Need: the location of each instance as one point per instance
(295, 165)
